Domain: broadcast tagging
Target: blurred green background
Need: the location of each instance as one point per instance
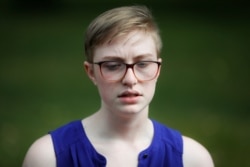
(203, 90)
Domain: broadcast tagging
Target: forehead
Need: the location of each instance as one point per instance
(136, 44)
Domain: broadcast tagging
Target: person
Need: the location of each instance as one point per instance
(122, 48)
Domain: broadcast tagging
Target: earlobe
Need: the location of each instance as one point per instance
(159, 60)
(90, 72)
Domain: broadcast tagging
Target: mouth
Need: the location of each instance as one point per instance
(129, 94)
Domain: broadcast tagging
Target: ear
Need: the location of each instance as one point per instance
(159, 60)
(90, 71)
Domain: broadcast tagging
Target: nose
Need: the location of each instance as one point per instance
(129, 77)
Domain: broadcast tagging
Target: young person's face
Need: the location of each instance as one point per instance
(127, 95)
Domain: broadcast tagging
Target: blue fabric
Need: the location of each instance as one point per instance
(73, 148)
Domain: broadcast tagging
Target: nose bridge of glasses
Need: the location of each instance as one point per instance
(129, 66)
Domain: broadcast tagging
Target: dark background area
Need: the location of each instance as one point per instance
(203, 90)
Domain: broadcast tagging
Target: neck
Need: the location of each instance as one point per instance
(128, 128)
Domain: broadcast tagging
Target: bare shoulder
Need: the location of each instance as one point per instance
(41, 153)
(195, 155)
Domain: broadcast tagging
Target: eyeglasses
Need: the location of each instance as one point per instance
(116, 70)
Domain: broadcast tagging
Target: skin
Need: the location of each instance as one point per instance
(131, 49)
(121, 125)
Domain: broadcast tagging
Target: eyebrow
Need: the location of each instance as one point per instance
(144, 56)
(112, 58)
(139, 57)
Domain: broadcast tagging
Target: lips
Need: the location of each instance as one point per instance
(129, 94)
(129, 97)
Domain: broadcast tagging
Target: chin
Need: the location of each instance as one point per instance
(131, 111)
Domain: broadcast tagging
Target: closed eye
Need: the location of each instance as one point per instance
(112, 66)
(143, 64)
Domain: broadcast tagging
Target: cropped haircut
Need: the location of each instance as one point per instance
(117, 22)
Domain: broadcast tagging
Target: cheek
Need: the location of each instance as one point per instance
(150, 90)
(105, 90)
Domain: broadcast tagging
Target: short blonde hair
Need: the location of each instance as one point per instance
(117, 22)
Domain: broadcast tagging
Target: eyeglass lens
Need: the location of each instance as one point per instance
(144, 70)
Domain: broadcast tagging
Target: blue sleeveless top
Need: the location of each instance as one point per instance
(73, 148)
